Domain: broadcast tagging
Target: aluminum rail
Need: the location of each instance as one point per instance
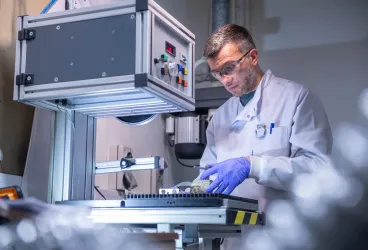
(130, 164)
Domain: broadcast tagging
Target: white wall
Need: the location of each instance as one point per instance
(321, 44)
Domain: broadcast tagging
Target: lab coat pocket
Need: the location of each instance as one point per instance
(277, 142)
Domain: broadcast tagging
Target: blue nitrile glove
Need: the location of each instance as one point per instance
(230, 174)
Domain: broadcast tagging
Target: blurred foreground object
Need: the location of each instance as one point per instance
(45, 226)
(11, 193)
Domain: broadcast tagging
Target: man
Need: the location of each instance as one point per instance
(271, 129)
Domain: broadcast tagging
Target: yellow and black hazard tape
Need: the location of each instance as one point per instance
(238, 217)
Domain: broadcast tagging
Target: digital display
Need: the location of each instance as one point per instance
(170, 49)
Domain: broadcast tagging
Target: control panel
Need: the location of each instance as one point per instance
(171, 62)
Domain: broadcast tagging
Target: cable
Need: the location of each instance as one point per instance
(185, 165)
(48, 7)
(169, 141)
(98, 191)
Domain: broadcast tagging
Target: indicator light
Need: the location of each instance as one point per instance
(185, 71)
(185, 83)
(169, 48)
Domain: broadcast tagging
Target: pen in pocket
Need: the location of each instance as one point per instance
(272, 125)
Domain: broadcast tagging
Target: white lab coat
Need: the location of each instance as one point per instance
(301, 139)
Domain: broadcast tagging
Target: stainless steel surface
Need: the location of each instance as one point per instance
(187, 129)
(141, 164)
(160, 216)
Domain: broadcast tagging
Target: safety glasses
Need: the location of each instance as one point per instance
(229, 69)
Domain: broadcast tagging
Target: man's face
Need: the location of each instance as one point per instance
(243, 77)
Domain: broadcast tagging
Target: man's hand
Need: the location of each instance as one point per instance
(230, 174)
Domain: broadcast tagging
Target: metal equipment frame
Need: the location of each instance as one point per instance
(71, 175)
(103, 97)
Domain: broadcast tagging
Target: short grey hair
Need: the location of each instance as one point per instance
(228, 33)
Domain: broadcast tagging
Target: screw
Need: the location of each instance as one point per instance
(113, 32)
(103, 74)
(31, 33)
(71, 64)
(112, 59)
(29, 78)
(72, 37)
(132, 16)
(58, 27)
(56, 79)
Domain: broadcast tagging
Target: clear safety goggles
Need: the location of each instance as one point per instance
(229, 68)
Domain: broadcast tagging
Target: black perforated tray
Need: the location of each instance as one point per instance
(180, 200)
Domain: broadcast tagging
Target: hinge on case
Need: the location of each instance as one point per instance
(24, 79)
(26, 34)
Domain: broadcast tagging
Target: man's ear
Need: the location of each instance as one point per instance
(254, 56)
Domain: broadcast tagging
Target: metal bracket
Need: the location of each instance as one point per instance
(24, 79)
(131, 164)
(190, 233)
(141, 5)
(26, 34)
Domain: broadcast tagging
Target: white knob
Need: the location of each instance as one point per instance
(173, 69)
